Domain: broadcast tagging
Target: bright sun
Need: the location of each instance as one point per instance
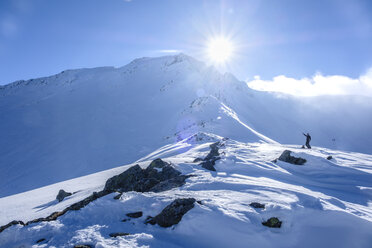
(220, 49)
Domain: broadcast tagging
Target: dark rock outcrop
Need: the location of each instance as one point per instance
(257, 205)
(210, 160)
(118, 234)
(126, 181)
(272, 222)
(173, 213)
(83, 246)
(13, 223)
(62, 195)
(117, 197)
(135, 214)
(329, 157)
(170, 183)
(158, 176)
(40, 240)
(286, 157)
(197, 160)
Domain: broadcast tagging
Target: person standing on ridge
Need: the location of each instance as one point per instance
(308, 138)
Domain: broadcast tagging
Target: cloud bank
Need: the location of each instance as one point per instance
(316, 85)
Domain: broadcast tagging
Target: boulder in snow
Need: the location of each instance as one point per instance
(135, 214)
(118, 234)
(158, 176)
(62, 195)
(40, 240)
(173, 213)
(286, 157)
(329, 157)
(126, 181)
(272, 222)
(210, 160)
(257, 205)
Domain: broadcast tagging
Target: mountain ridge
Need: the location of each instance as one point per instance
(88, 120)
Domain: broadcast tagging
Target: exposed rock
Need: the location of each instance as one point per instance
(135, 214)
(329, 157)
(126, 181)
(158, 176)
(117, 197)
(171, 183)
(13, 223)
(209, 165)
(150, 220)
(210, 160)
(83, 246)
(40, 240)
(114, 235)
(62, 195)
(257, 205)
(161, 170)
(173, 213)
(197, 160)
(286, 157)
(272, 222)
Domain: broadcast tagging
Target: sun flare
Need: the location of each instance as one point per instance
(220, 50)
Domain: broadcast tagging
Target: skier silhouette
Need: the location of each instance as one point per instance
(308, 138)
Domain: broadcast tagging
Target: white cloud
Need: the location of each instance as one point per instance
(317, 85)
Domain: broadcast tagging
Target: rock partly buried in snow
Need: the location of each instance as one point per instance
(126, 181)
(13, 223)
(158, 176)
(173, 213)
(117, 197)
(257, 205)
(62, 195)
(135, 214)
(170, 183)
(40, 240)
(118, 234)
(83, 246)
(272, 222)
(286, 157)
(329, 157)
(161, 170)
(210, 160)
(197, 160)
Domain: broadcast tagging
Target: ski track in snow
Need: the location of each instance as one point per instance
(322, 203)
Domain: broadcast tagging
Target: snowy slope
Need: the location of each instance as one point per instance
(84, 121)
(324, 203)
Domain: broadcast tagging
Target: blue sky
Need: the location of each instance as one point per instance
(296, 38)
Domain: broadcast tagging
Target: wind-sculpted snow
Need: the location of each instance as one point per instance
(323, 203)
(84, 121)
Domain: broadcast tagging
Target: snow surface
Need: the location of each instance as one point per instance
(324, 203)
(84, 121)
(72, 130)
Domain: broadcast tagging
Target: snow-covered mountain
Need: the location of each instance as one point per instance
(84, 121)
(77, 129)
(323, 203)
